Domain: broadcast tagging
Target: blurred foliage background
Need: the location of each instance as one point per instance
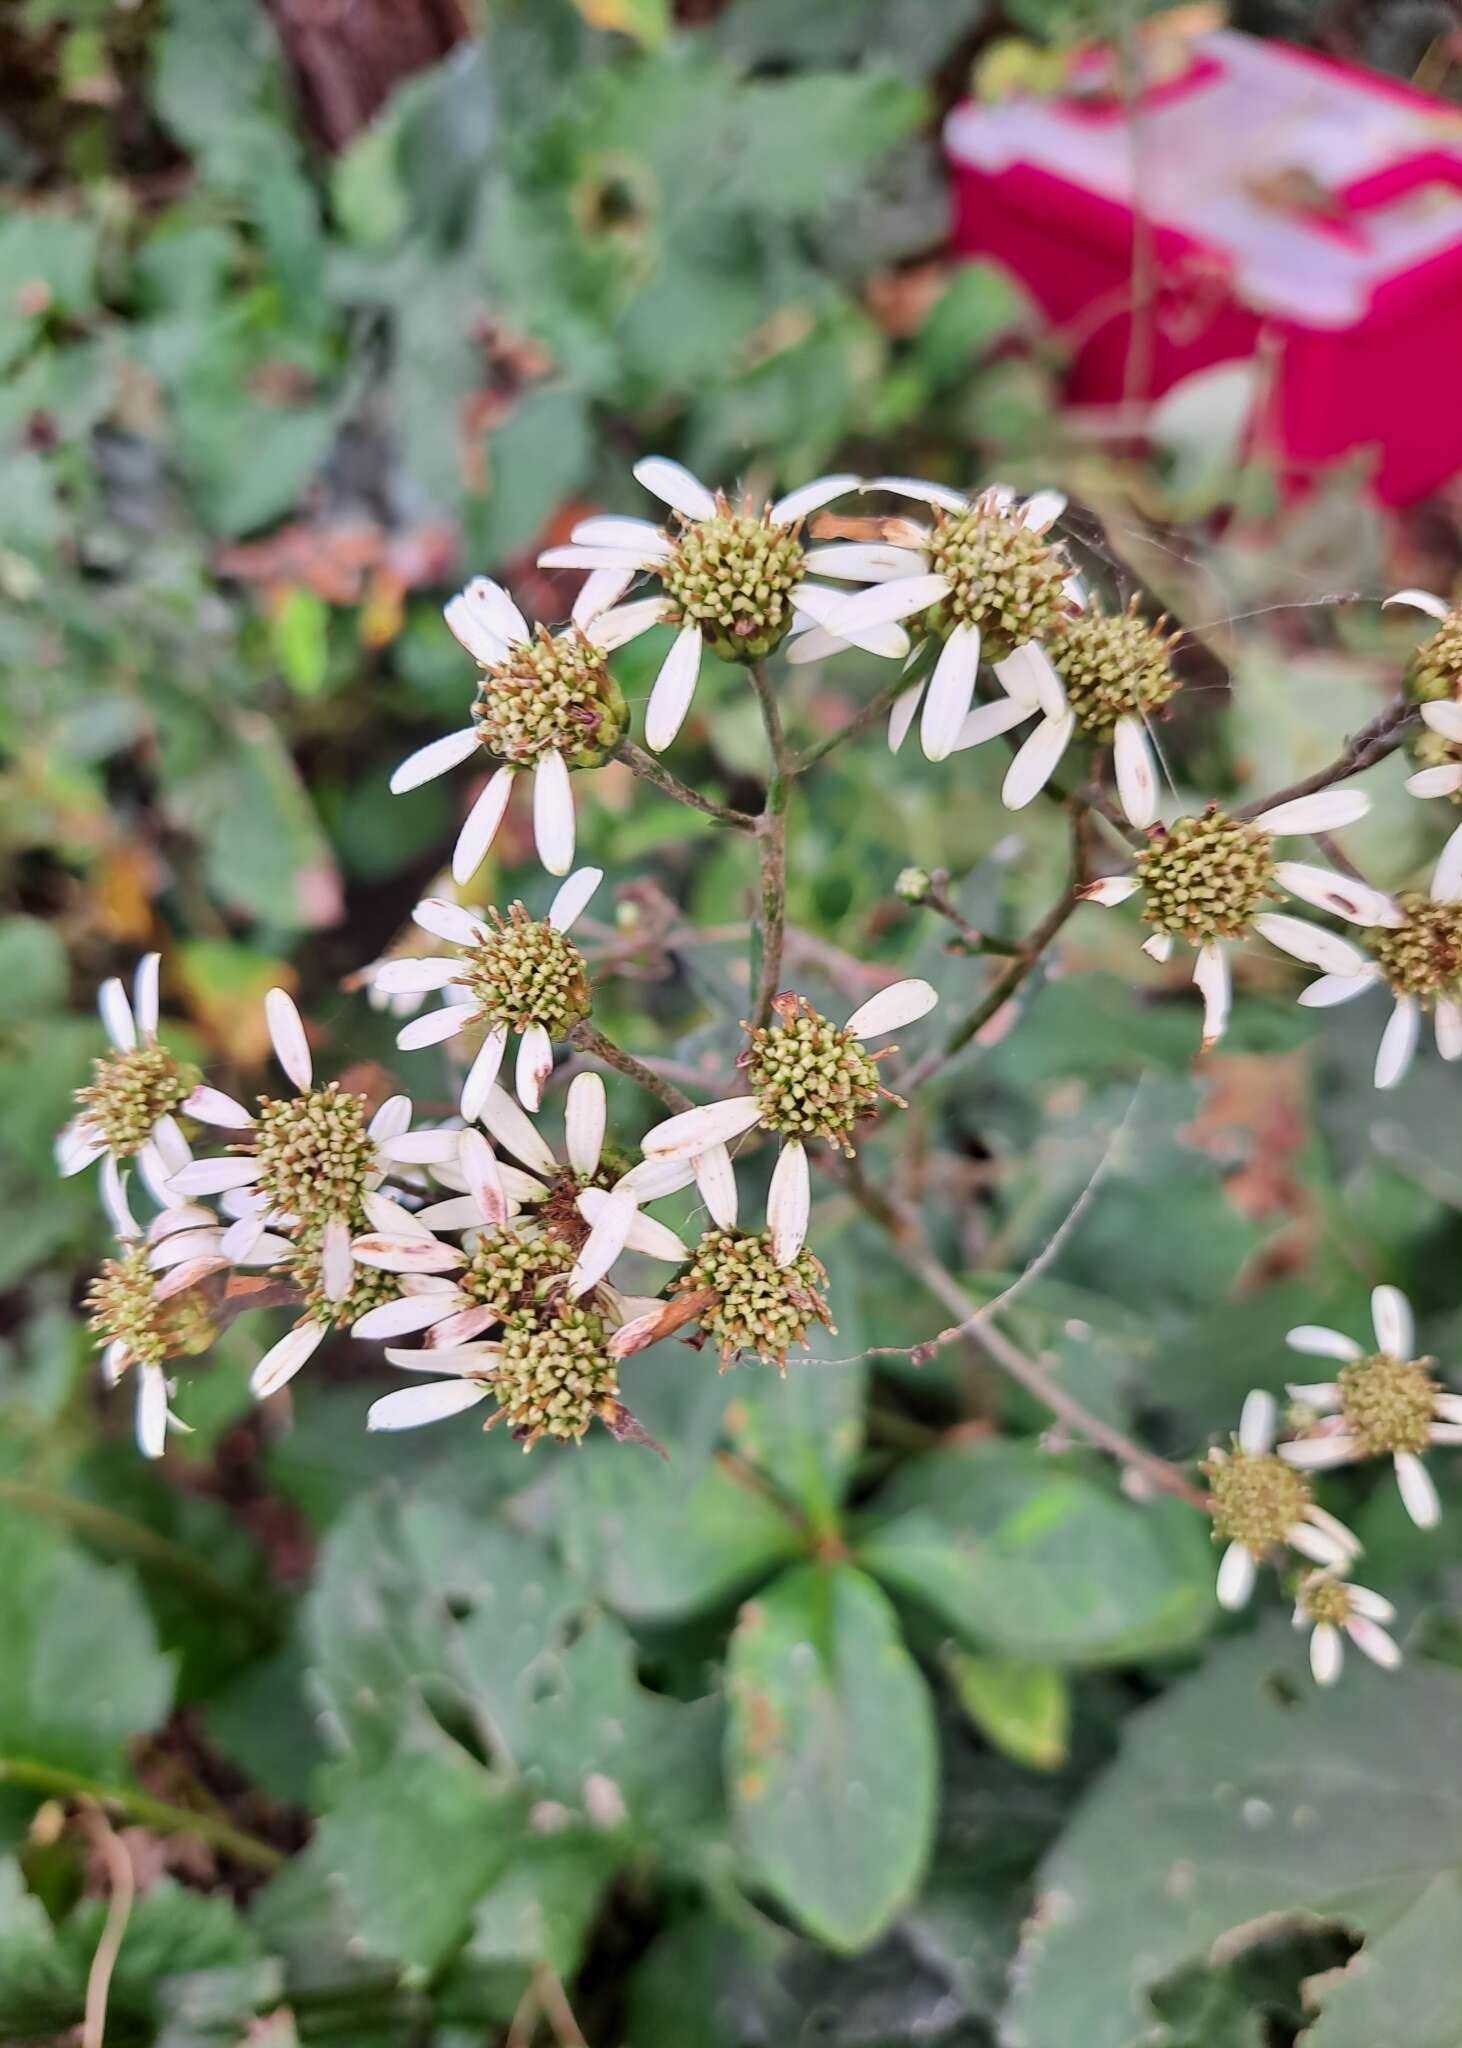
(783, 1741)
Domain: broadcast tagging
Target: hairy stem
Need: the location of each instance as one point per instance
(1371, 744)
(142, 1809)
(771, 833)
(646, 766)
(589, 1039)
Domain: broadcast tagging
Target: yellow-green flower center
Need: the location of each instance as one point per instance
(1388, 1404)
(733, 576)
(1113, 666)
(130, 1091)
(315, 1154)
(553, 695)
(125, 1310)
(508, 1272)
(526, 972)
(1257, 1499)
(1205, 877)
(760, 1306)
(1003, 577)
(370, 1288)
(1436, 666)
(1423, 956)
(554, 1374)
(1324, 1600)
(812, 1078)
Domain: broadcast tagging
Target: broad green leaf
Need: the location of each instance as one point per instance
(32, 969)
(830, 1753)
(1021, 1552)
(264, 849)
(1404, 1989)
(1024, 1709)
(1248, 1792)
(805, 1432)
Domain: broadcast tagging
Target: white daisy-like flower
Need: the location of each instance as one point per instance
(141, 1319)
(1413, 948)
(1205, 878)
(983, 578)
(510, 973)
(130, 1109)
(1262, 1506)
(545, 702)
(808, 1078)
(1387, 1403)
(1331, 1608)
(732, 579)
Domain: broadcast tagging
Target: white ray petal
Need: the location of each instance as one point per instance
(1111, 890)
(674, 485)
(421, 1148)
(813, 644)
(574, 557)
(212, 1106)
(553, 813)
(1327, 1653)
(337, 1267)
(1419, 600)
(988, 721)
(1443, 781)
(1447, 1024)
(1257, 1421)
(1331, 989)
(1327, 810)
(901, 717)
(433, 1027)
(76, 1148)
(466, 1359)
(116, 1014)
(1310, 943)
(405, 1316)
(1321, 1395)
(152, 1411)
(212, 1176)
(392, 1219)
(1371, 1605)
(811, 497)
(391, 1120)
(114, 1199)
(114, 1362)
(653, 1239)
(479, 829)
(283, 1360)
(673, 689)
(652, 1178)
(1211, 979)
(145, 994)
(483, 1072)
(484, 1182)
(434, 759)
(1236, 1574)
(884, 604)
(448, 921)
(916, 487)
(823, 603)
(789, 1202)
(1342, 895)
(572, 897)
(1393, 1322)
(178, 1279)
(415, 976)
(1398, 1042)
(1042, 510)
(622, 622)
(287, 1035)
(1418, 1494)
(951, 687)
(242, 1239)
(1159, 947)
(1343, 1544)
(1371, 1639)
(586, 1111)
(1037, 761)
(407, 1254)
(695, 1130)
(1319, 1453)
(187, 1216)
(1319, 1342)
(1136, 772)
(609, 1231)
(1322, 1545)
(599, 593)
(410, 1407)
(715, 1178)
(517, 1133)
(534, 1065)
(471, 630)
(635, 536)
(1029, 676)
(856, 562)
(1447, 875)
(185, 1245)
(496, 610)
(1444, 717)
(902, 1002)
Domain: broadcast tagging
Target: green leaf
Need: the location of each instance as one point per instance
(805, 1432)
(1403, 1989)
(1024, 1709)
(1247, 1792)
(981, 304)
(263, 846)
(1028, 1554)
(830, 1753)
(32, 969)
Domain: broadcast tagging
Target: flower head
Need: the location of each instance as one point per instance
(756, 1302)
(733, 578)
(1331, 1609)
(129, 1110)
(1258, 1510)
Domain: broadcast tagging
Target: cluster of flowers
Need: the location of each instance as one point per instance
(473, 1237)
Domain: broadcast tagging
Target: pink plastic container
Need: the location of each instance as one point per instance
(1294, 204)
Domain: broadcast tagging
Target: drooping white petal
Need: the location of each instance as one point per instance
(212, 1176)
(421, 1148)
(283, 1360)
(610, 1228)
(1042, 510)
(1393, 1323)
(287, 1034)
(1447, 1024)
(1418, 1494)
(115, 1360)
(622, 622)
(1371, 1639)
(1316, 1341)
(337, 1267)
(1236, 1574)
(1331, 989)
(673, 689)
(178, 1279)
(673, 483)
(585, 1114)
(1447, 875)
(411, 1406)
(600, 593)
(1327, 1653)
(652, 1239)
(715, 1178)
(902, 1002)
(1136, 771)
(433, 1027)
(448, 921)
(695, 1130)
(1341, 894)
(114, 1199)
(901, 717)
(484, 1182)
(1419, 600)
(988, 721)
(171, 1146)
(152, 1411)
(77, 1147)
(407, 1254)
(145, 994)
(824, 604)
(534, 1065)
(635, 536)
(1159, 947)
(116, 1014)
(1211, 979)
(1319, 1453)
(1257, 1420)
(1111, 890)
(789, 1202)
(856, 562)
(212, 1106)
(916, 487)
(883, 604)
(553, 813)
(242, 1239)
(1037, 761)
(811, 497)
(416, 977)
(517, 1133)
(571, 898)
(401, 1318)
(1398, 1042)
(1028, 674)
(1310, 943)
(1443, 781)
(434, 759)
(1372, 1605)
(1327, 810)
(479, 828)
(951, 687)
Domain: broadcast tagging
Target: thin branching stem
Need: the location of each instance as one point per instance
(771, 833)
(650, 770)
(589, 1039)
(141, 1808)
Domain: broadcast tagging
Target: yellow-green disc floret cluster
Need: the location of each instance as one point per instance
(370, 1287)
(1113, 665)
(526, 972)
(315, 1154)
(760, 1306)
(1257, 1499)
(1436, 666)
(1387, 1404)
(553, 1374)
(1205, 877)
(1003, 577)
(811, 1078)
(510, 1271)
(130, 1091)
(552, 694)
(1423, 955)
(733, 576)
(1324, 1599)
(124, 1309)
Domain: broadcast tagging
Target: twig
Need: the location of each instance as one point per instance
(869, 714)
(646, 766)
(938, 899)
(119, 1911)
(142, 1808)
(1371, 744)
(588, 1038)
(556, 2008)
(771, 832)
